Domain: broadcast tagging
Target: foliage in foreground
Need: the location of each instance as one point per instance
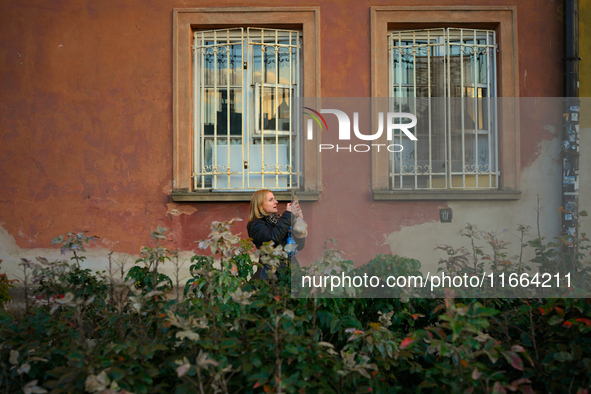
(117, 332)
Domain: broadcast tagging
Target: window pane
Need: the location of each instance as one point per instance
(221, 53)
(270, 64)
(286, 60)
(216, 109)
(257, 64)
(234, 102)
(275, 112)
(456, 137)
(404, 67)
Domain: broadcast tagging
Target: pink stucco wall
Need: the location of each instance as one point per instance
(85, 121)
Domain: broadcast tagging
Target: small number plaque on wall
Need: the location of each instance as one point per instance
(445, 215)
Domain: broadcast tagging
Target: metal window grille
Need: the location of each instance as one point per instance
(246, 85)
(447, 78)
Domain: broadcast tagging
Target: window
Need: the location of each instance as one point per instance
(456, 68)
(246, 84)
(447, 78)
(237, 75)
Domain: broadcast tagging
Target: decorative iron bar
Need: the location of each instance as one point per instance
(244, 137)
(447, 78)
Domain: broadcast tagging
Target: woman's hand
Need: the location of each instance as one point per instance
(297, 210)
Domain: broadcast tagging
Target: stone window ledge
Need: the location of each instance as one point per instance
(415, 195)
(211, 196)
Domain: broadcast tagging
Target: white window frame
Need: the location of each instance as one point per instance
(247, 161)
(440, 170)
(503, 19)
(187, 20)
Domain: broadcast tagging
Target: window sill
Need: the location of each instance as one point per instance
(391, 195)
(211, 196)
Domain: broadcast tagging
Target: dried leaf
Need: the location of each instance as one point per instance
(188, 334)
(182, 370)
(98, 383)
(25, 368)
(32, 388)
(13, 357)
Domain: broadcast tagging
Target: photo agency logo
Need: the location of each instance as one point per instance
(393, 120)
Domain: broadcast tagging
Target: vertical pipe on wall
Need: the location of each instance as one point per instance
(570, 132)
(571, 48)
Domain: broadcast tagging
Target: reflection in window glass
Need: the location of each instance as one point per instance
(245, 83)
(457, 141)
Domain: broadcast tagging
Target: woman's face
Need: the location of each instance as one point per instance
(270, 204)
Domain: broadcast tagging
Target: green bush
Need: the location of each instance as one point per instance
(5, 284)
(118, 332)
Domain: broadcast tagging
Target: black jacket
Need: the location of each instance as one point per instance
(262, 231)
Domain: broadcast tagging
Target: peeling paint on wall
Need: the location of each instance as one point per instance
(97, 258)
(541, 178)
(180, 209)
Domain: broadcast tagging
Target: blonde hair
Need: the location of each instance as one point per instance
(256, 205)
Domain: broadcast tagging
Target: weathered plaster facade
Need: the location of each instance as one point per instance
(87, 139)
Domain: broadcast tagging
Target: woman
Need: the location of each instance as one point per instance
(265, 224)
